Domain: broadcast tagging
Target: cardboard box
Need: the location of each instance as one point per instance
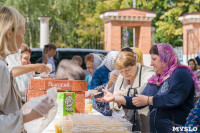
(79, 99)
(38, 88)
(79, 102)
(66, 103)
(61, 85)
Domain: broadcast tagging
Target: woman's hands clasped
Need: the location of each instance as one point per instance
(140, 100)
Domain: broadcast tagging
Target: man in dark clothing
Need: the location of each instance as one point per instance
(49, 53)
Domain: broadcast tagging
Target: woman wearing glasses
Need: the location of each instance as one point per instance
(133, 76)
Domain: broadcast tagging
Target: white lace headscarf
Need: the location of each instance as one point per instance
(97, 61)
(109, 60)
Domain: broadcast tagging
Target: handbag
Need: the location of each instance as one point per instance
(135, 120)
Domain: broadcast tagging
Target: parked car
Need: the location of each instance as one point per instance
(66, 53)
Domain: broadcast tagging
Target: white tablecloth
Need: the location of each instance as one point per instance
(51, 129)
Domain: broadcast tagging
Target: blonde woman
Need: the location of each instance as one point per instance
(132, 76)
(12, 30)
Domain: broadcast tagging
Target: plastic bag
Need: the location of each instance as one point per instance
(44, 74)
(45, 105)
(118, 114)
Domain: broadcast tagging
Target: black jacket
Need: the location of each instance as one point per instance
(172, 101)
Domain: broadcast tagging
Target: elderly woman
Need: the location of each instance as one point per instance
(138, 53)
(92, 61)
(132, 76)
(101, 78)
(12, 30)
(170, 93)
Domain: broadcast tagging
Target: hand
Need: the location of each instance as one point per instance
(140, 100)
(40, 68)
(113, 78)
(109, 97)
(119, 93)
(89, 95)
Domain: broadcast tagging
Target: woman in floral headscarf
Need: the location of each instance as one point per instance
(169, 93)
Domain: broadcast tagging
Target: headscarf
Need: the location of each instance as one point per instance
(136, 52)
(109, 60)
(169, 62)
(139, 55)
(97, 61)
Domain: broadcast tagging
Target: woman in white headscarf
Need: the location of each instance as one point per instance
(92, 61)
(101, 78)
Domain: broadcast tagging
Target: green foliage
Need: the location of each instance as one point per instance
(168, 28)
(76, 23)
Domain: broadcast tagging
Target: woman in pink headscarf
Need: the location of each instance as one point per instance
(169, 93)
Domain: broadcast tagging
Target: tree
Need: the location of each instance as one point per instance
(74, 21)
(168, 28)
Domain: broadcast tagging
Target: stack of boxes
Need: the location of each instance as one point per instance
(38, 87)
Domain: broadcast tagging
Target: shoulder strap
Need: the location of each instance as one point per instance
(135, 90)
(140, 75)
(121, 84)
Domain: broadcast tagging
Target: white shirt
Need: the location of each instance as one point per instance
(51, 61)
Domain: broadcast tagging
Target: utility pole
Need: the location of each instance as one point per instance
(134, 3)
(134, 6)
(44, 30)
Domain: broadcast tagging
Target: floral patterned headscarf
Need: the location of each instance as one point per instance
(169, 62)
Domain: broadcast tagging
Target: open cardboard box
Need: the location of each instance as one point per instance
(38, 87)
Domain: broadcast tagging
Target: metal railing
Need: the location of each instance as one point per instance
(67, 35)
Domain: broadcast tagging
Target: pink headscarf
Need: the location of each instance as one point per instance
(169, 62)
